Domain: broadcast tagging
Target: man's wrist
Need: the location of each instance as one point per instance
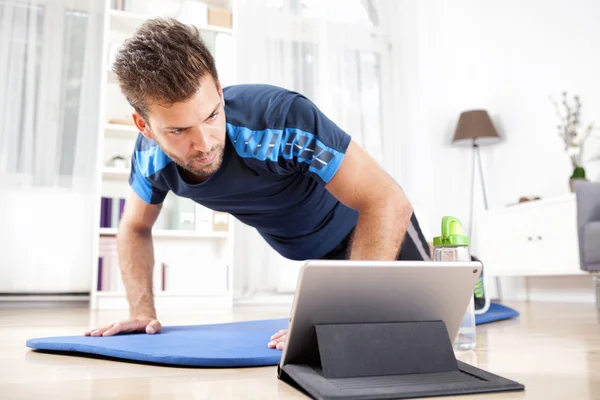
(142, 313)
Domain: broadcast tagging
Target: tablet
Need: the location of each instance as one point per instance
(347, 292)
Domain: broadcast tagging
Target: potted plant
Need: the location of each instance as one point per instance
(573, 135)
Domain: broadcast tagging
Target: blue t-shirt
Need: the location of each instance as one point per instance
(280, 151)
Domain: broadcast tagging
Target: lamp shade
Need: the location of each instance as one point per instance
(475, 125)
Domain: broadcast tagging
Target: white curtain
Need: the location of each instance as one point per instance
(50, 66)
(337, 54)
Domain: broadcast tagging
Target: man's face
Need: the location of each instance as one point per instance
(191, 133)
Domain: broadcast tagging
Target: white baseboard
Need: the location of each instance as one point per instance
(562, 289)
(558, 289)
(267, 298)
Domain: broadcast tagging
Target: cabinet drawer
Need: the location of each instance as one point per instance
(556, 241)
(540, 240)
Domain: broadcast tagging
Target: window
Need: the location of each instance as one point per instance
(42, 57)
(20, 68)
(74, 37)
(335, 59)
(359, 12)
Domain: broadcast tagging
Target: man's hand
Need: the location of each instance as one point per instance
(278, 340)
(148, 325)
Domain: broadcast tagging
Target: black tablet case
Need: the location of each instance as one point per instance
(387, 361)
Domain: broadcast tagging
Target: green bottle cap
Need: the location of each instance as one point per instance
(452, 234)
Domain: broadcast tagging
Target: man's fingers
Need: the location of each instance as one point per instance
(124, 327)
(113, 330)
(278, 334)
(153, 327)
(135, 325)
(277, 342)
(100, 331)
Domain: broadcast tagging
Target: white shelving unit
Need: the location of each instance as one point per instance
(193, 246)
(115, 173)
(175, 234)
(120, 131)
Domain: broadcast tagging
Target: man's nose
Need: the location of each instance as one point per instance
(201, 141)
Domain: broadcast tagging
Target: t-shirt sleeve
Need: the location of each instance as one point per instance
(141, 185)
(311, 143)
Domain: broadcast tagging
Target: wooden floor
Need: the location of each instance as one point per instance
(554, 349)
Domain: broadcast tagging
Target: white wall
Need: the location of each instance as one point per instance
(44, 240)
(507, 57)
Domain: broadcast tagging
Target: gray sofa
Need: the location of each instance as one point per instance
(588, 228)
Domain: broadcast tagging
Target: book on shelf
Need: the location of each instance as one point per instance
(109, 271)
(186, 215)
(220, 222)
(220, 17)
(111, 211)
(121, 5)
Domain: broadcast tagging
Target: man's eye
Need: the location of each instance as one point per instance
(213, 117)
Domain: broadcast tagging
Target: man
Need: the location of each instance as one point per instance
(266, 155)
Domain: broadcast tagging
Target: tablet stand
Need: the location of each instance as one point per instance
(388, 361)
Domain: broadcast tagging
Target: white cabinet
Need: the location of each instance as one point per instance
(531, 239)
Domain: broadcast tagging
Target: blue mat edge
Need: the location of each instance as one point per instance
(41, 343)
(154, 359)
(496, 312)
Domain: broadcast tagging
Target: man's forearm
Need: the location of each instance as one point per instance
(380, 229)
(136, 258)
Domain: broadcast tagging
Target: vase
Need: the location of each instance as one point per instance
(578, 175)
(573, 182)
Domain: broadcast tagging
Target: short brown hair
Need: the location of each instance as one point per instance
(163, 62)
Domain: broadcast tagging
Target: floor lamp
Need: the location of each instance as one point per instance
(475, 128)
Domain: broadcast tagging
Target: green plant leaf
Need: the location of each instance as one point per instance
(578, 173)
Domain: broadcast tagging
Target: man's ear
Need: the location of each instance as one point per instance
(141, 124)
(220, 89)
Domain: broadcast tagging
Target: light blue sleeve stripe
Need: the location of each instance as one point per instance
(147, 163)
(256, 144)
(151, 161)
(327, 172)
(141, 187)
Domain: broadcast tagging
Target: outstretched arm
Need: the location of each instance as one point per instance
(384, 211)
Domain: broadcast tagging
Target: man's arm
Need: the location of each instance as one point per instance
(384, 211)
(136, 259)
(136, 254)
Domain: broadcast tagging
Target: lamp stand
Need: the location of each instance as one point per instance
(476, 154)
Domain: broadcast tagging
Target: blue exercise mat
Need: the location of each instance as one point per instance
(496, 312)
(237, 344)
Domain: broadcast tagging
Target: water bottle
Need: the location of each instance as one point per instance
(453, 245)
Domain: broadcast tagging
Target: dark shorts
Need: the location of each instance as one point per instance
(414, 247)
